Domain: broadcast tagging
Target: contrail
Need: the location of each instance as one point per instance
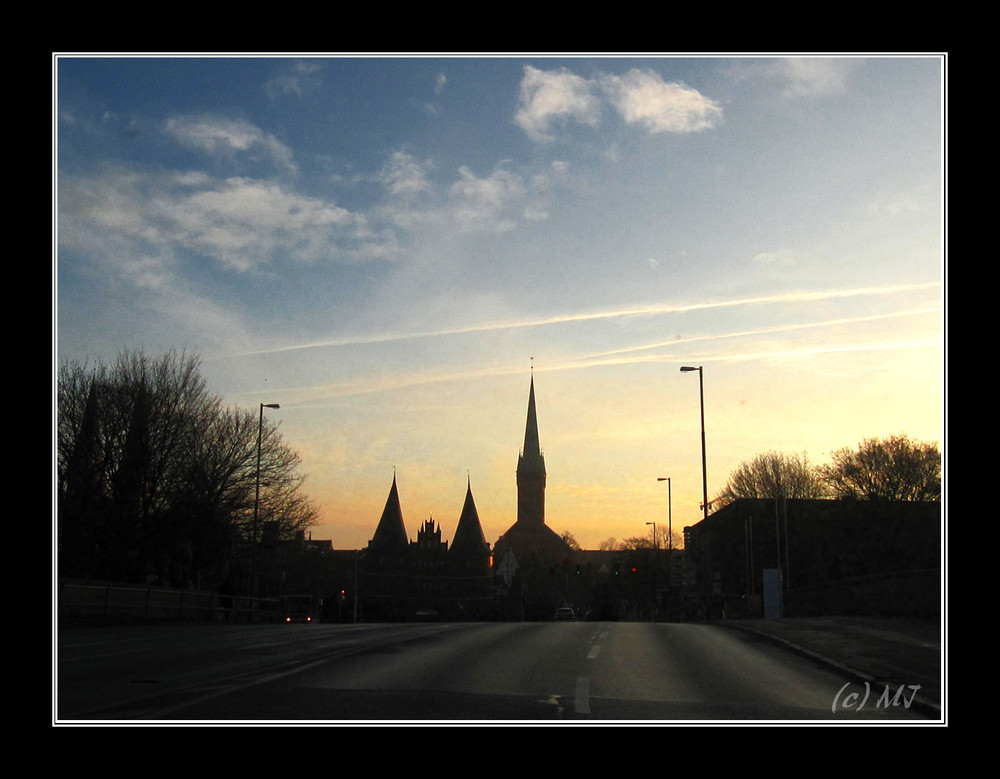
(323, 394)
(650, 310)
(766, 330)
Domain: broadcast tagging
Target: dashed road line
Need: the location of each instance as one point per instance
(581, 701)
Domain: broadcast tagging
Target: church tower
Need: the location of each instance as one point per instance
(531, 471)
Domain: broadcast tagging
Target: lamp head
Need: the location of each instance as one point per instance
(687, 368)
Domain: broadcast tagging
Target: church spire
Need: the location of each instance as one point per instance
(531, 446)
(531, 470)
(469, 537)
(391, 532)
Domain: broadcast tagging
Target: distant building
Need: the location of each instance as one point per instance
(401, 579)
(827, 556)
(834, 557)
(529, 538)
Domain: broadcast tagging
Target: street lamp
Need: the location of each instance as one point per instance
(670, 541)
(256, 498)
(704, 470)
(655, 545)
(670, 519)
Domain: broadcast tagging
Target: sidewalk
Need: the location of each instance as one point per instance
(893, 651)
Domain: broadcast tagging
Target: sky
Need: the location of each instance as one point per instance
(392, 248)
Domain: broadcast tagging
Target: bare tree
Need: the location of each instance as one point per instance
(774, 475)
(893, 468)
(156, 478)
(570, 540)
(634, 543)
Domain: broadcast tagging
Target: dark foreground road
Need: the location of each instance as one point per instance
(482, 672)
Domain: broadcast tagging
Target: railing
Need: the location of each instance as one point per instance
(83, 601)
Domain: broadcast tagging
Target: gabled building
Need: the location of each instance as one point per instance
(401, 579)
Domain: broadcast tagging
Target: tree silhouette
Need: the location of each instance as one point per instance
(892, 468)
(156, 478)
(774, 475)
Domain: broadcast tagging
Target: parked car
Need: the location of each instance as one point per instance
(565, 613)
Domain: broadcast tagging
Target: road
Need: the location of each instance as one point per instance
(483, 672)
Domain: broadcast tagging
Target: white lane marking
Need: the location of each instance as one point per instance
(595, 650)
(581, 702)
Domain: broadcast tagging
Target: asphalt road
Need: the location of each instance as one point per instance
(472, 672)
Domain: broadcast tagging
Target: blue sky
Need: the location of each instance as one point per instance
(389, 246)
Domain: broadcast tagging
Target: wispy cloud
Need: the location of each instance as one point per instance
(239, 222)
(642, 97)
(325, 394)
(771, 330)
(229, 138)
(555, 97)
(805, 76)
(799, 77)
(650, 310)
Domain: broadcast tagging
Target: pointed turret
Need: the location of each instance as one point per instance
(390, 535)
(469, 537)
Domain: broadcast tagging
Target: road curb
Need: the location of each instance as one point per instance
(921, 703)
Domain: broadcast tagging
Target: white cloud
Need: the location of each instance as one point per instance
(810, 76)
(228, 137)
(240, 223)
(297, 82)
(781, 257)
(243, 223)
(404, 176)
(555, 96)
(489, 202)
(642, 97)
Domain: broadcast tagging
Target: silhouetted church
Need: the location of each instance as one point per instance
(529, 538)
(401, 579)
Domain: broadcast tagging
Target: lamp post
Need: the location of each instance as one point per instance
(256, 501)
(670, 541)
(670, 519)
(656, 573)
(704, 469)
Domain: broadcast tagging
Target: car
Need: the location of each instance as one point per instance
(565, 613)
